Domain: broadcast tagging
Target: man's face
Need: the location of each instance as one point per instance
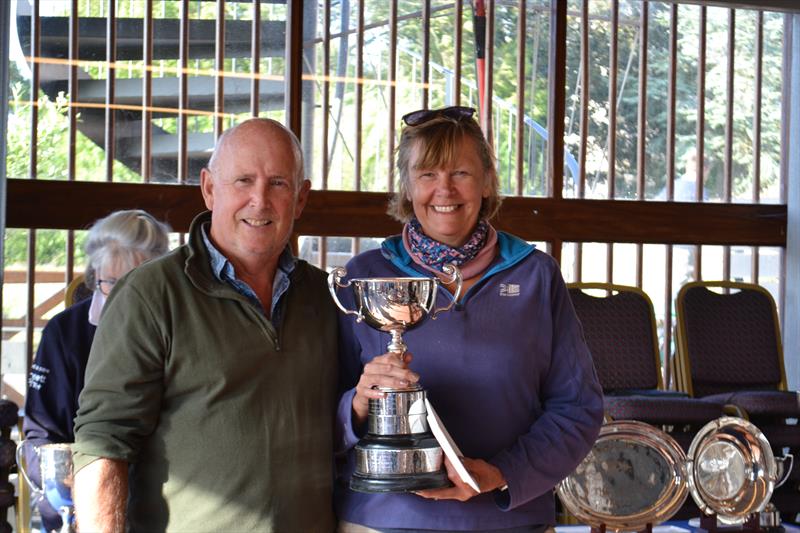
(253, 195)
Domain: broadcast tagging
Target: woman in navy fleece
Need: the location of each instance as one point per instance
(115, 245)
(507, 368)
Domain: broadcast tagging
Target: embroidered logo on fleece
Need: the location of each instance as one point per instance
(38, 377)
(509, 289)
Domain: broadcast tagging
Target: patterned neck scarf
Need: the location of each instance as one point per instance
(436, 254)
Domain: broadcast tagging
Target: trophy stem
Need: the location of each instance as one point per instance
(397, 346)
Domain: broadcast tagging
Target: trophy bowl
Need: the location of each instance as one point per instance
(394, 305)
(391, 303)
(733, 470)
(56, 470)
(398, 453)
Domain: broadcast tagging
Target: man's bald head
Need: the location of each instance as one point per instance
(255, 190)
(227, 144)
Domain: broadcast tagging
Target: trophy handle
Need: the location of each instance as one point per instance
(455, 276)
(31, 484)
(66, 519)
(335, 280)
(787, 458)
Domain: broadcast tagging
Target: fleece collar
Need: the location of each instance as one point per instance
(512, 250)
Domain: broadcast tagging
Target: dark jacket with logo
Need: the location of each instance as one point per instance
(55, 381)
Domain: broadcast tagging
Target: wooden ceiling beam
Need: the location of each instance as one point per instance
(75, 205)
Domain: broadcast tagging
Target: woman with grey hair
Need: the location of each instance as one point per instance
(115, 245)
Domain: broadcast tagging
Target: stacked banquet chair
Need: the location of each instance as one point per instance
(730, 351)
(620, 329)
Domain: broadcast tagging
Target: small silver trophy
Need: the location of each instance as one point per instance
(399, 453)
(55, 464)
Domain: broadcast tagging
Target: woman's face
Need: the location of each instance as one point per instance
(109, 273)
(447, 200)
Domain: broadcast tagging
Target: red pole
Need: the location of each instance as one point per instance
(479, 23)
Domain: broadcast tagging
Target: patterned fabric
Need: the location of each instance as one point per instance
(785, 498)
(436, 254)
(731, 341)
(618, 329)
(780, 404)
(619, 333)
(659, 410)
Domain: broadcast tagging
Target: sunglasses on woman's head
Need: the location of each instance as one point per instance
(456, 112)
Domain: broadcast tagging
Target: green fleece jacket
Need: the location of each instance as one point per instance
(226, 423)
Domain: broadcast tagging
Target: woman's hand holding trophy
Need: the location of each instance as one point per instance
(384, 371)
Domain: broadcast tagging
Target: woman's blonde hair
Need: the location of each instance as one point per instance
(439, 140)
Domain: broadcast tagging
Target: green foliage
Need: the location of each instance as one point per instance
(53, 143)
(505, 89)
(51, 246)
(408, 94)
(686, 96)
(51, 163)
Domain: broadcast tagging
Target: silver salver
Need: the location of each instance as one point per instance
(637, 475)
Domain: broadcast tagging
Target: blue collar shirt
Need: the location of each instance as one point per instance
(223, 270)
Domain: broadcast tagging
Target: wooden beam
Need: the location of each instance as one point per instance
(75, 205)
(650, 222)
(42, 276)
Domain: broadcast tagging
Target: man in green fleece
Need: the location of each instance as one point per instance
(210, 387)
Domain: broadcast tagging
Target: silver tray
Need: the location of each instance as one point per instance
(732, 471)
(633, 476)
(637, 475)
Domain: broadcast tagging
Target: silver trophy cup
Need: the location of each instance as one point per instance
(55, 465)
(398, 453)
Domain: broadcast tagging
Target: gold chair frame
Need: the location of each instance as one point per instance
(69, 295)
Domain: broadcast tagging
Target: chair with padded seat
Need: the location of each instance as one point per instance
(620, 329)
(76, 291)
(730, 351)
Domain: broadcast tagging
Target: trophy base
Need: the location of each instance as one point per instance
(398, 463)
(399, 483)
